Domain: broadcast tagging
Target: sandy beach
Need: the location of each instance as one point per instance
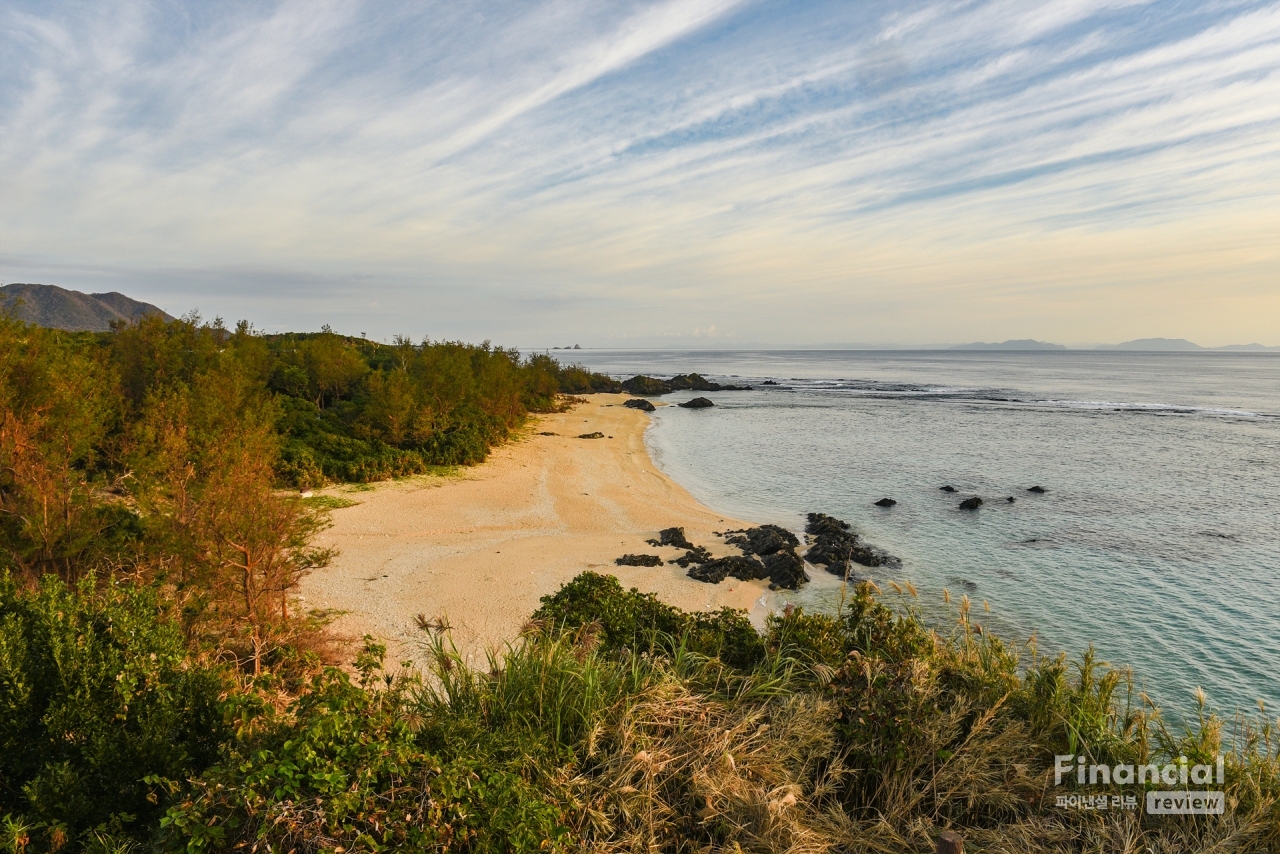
(480, 548)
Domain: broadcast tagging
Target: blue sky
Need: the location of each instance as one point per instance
(706, 172)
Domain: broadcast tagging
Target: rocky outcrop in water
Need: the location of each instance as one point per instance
(639, 560)
(642, 384)
(697, 403)
(764, 540)
(651, 386)
(1039, 490)
(971, 503)
(886, 502)
(785, 570)
(640, 403)
(696, 382)
(947, 488)
(692, 382)
(672, 537)
(834, 545)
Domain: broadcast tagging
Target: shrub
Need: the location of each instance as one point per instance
(96, 693)
(342, 768)
(640, 622)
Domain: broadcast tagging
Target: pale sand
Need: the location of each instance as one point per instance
(481, 548)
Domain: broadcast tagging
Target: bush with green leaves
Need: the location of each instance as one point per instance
(629, 619)
(97, 692)
(343, 768)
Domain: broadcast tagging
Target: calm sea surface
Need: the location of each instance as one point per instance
(1157, 541)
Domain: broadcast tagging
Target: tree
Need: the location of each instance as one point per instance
(333, 366)
(58, 403)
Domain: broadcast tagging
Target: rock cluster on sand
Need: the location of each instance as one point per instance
(735, 566)
(697, 554)
(641, 404)
(762, 541)
(672, 537)
(776, 547)
(697, 403)
(835, 546)
(595, 435)
(784, 569)
(639, 560)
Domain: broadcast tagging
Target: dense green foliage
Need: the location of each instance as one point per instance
(630, 620)
(96, 693)
(355, 410)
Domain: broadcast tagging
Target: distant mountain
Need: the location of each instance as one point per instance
(1248, 348)
(1153, 344)
(1019, 344)
(59, 308)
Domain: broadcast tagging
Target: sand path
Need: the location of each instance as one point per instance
(481, 548)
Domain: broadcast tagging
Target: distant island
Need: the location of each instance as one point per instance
(1019, 344)
(58, 308)
(1145, 345)
(1156, 345)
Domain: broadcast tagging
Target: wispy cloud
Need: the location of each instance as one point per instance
(943, 170)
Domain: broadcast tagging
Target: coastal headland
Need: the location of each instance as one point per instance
(481, 548)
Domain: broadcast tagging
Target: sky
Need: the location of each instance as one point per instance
(696, 173)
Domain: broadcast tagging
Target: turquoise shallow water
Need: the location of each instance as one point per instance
(1157, 541)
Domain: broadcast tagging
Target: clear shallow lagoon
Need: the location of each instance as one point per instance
(1158, 540)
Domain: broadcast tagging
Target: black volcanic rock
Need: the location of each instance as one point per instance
(1011, 499)
(834, 545)
(714, 571)
(768, 382)
(764, 540)
(886, 502)
(711, 572)
(821, 523)
(692, 382)
(642, 384)
(697, 403)
(697, 554)
(947, 488)
(1039, 490)
(641, 404)
(672, 537)
(639, 560)
(785, 569)
(971, 503)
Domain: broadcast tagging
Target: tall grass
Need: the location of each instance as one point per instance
(867, 732)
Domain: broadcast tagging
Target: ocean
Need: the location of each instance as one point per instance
(1156, 540)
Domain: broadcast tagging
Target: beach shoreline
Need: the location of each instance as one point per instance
(481, 548)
